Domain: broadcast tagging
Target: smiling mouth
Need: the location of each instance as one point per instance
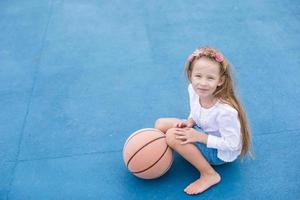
(203, 90)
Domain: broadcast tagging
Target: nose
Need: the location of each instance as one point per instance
(202, 82)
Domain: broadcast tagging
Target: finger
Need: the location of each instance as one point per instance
(185, 142)
(179, 124)
(179, 133)
(182, 125)
(178, 130)
(181, 137)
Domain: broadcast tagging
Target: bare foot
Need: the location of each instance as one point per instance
(202, 184)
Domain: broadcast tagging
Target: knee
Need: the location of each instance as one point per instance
(159, 124)
(171, 137)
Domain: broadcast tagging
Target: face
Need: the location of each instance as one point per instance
(205, 77)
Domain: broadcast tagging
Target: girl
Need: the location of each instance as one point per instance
(216, 131)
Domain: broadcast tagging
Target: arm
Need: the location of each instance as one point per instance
(229, 127)
(230, 134)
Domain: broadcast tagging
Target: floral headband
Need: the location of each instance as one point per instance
(206, 52)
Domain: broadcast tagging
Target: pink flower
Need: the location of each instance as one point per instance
(219, 57)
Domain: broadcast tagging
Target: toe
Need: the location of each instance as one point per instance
(189, 191)
(195, 191)
(186, 189)
(192, 190)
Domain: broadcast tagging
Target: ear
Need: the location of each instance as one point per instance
(221, 81)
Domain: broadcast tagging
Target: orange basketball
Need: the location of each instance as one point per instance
(146, 153)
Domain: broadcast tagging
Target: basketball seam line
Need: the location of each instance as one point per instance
(142, 148)
(153, 163)
(169, 165)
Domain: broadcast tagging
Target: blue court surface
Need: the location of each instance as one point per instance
(78, 77)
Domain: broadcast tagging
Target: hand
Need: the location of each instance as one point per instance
(185, 124)
(188, 135)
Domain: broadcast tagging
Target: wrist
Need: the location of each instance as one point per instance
(202, 138)
(191, 121)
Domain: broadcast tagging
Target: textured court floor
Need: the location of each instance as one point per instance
(78, 77)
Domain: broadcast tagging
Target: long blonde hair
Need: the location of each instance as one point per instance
(224, 92)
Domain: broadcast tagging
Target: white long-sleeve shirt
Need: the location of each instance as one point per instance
(222, 125)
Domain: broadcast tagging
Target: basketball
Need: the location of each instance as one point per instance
(146, 153)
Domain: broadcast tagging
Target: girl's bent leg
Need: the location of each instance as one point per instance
(164, 124)
(190, 152)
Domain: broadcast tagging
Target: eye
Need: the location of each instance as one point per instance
(211, 78)
(198, 76)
